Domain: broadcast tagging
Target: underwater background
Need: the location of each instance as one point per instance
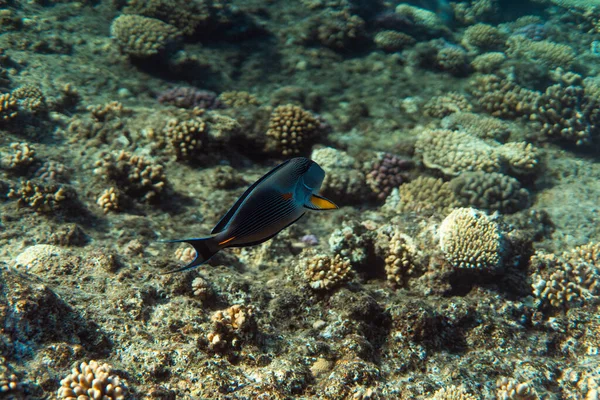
(460, 139)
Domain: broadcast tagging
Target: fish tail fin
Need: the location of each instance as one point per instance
(205, 249)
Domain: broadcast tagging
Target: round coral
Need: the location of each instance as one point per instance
(470, 239)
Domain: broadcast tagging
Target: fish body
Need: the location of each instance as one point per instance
(271, 204)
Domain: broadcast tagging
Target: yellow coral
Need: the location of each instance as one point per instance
(453, 152)
(569, 279)
(511, 389)
(292, 128)
(186, 137)
(426, 195)
(452, 392)
(109, 200)
(400, 261)
(471, 239)
(8, 107)
(92, 381)
(324, 272)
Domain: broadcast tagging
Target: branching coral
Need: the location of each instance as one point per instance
(231, 326)
(503, 98)
(400, 261)
(471, 239)
(549, 54)
(135, 175)
(567, 280)
(43, 198)
(186, 138)
(292, 128)
(92, 381)
(8, 107)
(110, 200)
(483, 37)
(190, 97)
(323, 272)
(142, 36)
(22, 156)
(568, 113)
(31, 99)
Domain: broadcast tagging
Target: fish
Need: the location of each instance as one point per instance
(274, 202)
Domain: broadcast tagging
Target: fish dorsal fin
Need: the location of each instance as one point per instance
(317, 202)
(225, 219)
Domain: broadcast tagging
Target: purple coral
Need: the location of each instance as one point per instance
(388, 173)
(190, 97)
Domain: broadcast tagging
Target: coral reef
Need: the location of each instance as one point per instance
(567, 280)
(135, 175)
(449, 103)
(231, 327)
(189, 97)
(92, 380)
(323, 272)
(43, 198)
(139, 36)
(470, 239)
(387, 173)
(567, 113)
(110, 200)
(482, 126)
(490, 192)
(345, 184)
(453, 152)
(293, 129)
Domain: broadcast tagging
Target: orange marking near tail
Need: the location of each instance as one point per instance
(227, 240)
(287, 196)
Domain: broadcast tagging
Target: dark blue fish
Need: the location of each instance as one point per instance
(271, 204)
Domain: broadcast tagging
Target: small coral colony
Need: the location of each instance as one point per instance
(460, 141)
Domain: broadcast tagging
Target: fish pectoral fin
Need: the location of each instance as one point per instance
(317, 202)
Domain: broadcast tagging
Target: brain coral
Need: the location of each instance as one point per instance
(453, 152)
(183, 14)
(471, 239)
(140, 36)
(490, 191)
